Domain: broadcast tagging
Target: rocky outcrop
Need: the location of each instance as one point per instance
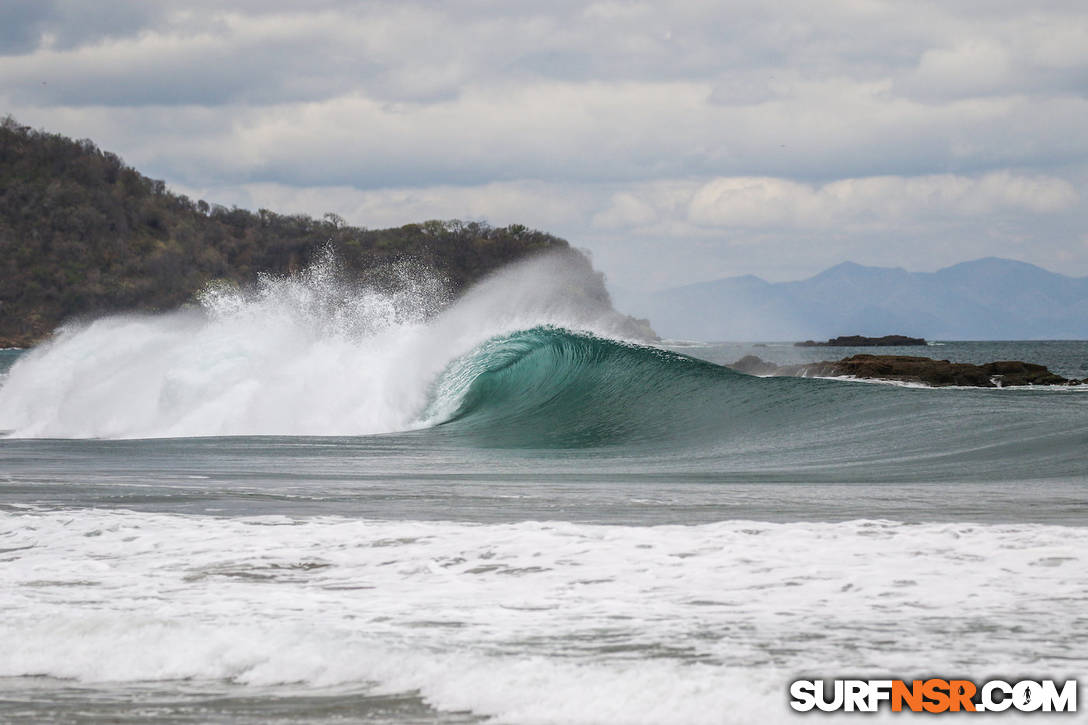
(754, 365)
(906, 368)
(862, 341)
(639, 328)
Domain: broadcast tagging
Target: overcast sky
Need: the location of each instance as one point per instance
(679, 141)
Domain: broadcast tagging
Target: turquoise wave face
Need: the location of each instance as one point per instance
(548, 388)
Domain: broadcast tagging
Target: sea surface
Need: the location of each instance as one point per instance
(305, 504)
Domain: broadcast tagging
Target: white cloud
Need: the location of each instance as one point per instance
(582, 132)
(881, 200)
(625, 210)
(973, 67)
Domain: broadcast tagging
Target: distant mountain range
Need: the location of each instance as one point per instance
(986, 299)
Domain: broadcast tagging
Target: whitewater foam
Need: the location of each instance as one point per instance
(548, 622)
(307, 355)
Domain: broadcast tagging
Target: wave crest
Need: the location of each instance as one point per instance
(311, 354)
(549, 386)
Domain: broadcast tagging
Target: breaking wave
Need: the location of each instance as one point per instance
(533, 357)
(307, 355)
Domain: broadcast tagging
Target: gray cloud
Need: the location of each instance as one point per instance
(626, 122)
(26, 25)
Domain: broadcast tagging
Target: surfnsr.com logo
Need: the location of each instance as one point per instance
(933, 695)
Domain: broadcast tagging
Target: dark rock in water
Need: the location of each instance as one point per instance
(906, 368)
(943, 372)
(862, 341)
(754, 365)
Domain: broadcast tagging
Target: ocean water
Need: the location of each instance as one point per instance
(313, 503)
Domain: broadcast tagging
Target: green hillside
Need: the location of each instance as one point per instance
(81, 233)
